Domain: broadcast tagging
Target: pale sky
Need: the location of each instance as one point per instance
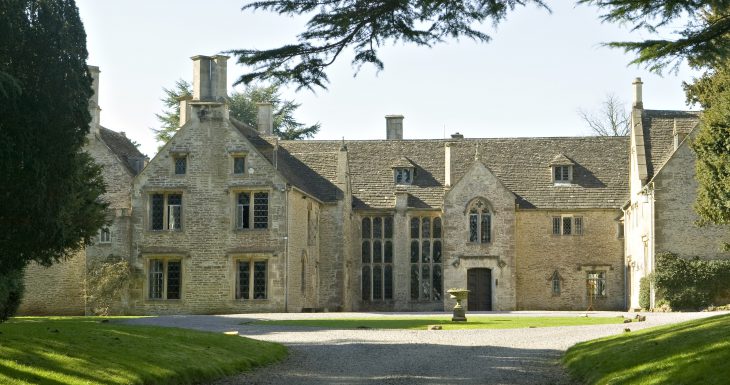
(530, 80)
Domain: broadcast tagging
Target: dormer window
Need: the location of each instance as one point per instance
(562, 169)
(403, 175)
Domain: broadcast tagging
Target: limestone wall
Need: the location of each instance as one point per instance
(55, 290)
(540, 254)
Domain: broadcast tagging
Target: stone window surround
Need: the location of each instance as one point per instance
(105, 235)
(235, 155)
(401, 172)
(234, 191)
(592, 268)
(179, 153)
(166, 192)
(577, 225)
(383, 265)
(431, 239)
(556, 283)
(561, 180)
(488, 209)
(165, 257)
(251, 258)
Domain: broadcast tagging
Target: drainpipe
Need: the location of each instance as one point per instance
(286, 250)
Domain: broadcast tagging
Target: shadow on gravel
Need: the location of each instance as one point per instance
(364, 363)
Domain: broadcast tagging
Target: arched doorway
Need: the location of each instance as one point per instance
(479, 283)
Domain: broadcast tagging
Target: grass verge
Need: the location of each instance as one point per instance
(83, 350)
(422, 323)
(694, 352)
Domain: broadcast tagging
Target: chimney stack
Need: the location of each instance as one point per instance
(394, 127)
(265, 118)
(185, 109)
(210, 78)
(638, 103)
(94, 108)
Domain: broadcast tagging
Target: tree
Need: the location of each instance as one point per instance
(242, 106)
(51, 189)
(712, 144)
(611, 119)
(365, 25)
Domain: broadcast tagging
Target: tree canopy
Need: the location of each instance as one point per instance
(611, 119)
(365, 25)
(51, 189)
(242, 106)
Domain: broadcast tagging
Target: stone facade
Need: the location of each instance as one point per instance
(227, 218)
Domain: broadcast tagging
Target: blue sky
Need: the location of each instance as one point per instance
(530, 80)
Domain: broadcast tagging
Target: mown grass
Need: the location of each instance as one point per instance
(695, 352)
(422, 323)
(84, 350)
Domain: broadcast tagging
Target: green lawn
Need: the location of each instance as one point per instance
(421, 323)
(83, 350)
(695, 352)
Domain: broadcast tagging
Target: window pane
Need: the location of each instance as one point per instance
(388, 227)
(567, 225)
(157, 211)
(366, 283)
(173, 280)
(437, 227)
(259, 280)
(556, 286)
(426, 251)
(174, 213)
(388, 282)
(556, 225)
(260, 210)
(565, 171)
(415, 227)
(244, 272)
(486, 227)
(415, 284)
(366, 228)
(180, 165)
(426, 228)
(239, 165)
(156, 278)
(473, 226)
(425, 282)
(377, 283)
(174, 199)
(377, 252)
(414, 251)
(388, 252)
(437, 251)
(558, 175)
(377, 227)
(578, 223)
(365, 251)
(437, 283)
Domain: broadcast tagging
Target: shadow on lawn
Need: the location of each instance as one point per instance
(365, 363)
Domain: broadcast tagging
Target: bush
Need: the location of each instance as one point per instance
(645, 293)
(105, 282)
(11, 292)
(691, 283)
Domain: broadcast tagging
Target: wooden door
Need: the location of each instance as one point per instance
(479, 283)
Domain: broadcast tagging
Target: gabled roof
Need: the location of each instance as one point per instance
(561, 160)
(659, 127)
(123, 148)
(403, 162)
(600, 177)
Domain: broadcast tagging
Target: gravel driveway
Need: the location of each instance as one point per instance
(477, 356)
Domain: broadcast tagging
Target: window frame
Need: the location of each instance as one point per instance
(164, 293)
(601, 277)
(556, 284)
(234, 158)
(561, 179)
(105, 240)
(252, 261)
(417, 267)
(575, 222)
(398, 171)
(165, 211)
(481, 209)
(238, 226)
(177, 158)
(383, 265)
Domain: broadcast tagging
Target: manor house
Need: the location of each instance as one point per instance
(226, 218)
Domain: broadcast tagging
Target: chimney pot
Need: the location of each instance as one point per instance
(265, 118)
(394, 127)
(638, 103)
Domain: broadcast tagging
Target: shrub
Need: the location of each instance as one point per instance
(645, 293)
(691, 283)
(11, 292)
(105, 282)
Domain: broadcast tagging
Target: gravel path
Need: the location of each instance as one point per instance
(477, 356)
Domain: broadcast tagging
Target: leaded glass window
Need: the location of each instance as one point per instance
(596, 283)
(252, 202)
(165, 279)
(166, 211)
(426, 259)
(377, 258)
(105, 235)
(561, 174)
(181, 165)
(555, 283)
(403, 175)
(239, 165)
(480, 222)
(251, 279)
(568, 225)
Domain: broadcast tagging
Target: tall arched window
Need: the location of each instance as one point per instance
(480, 222)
